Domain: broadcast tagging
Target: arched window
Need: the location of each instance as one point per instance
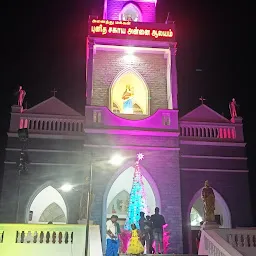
(47, 206)
(131, 12)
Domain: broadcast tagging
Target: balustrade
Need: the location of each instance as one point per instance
(240, 238)
(46, 237)
(52, 125)
(212, 249)
(1, 236)
(214, 132)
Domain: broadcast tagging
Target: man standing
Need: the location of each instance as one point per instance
(142, 228)
(113, 230)
(158, 221)
(149, 235)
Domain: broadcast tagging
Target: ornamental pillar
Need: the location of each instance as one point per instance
(89, 72)
(174, 83)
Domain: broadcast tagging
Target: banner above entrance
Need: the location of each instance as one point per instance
(131, 30)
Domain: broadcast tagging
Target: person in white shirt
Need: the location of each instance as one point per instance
(113, 230)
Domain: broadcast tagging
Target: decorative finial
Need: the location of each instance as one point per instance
(54, 91)
(140, 157)
(202, 99)
(233, 110)
(22, 94)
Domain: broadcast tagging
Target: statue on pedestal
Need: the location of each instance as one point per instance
(233, 108)
(208, 198)
(21, 96)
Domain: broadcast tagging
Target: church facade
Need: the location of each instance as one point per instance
(131, 107)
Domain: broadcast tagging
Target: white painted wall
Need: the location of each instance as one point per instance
(46, 197)
(8, 247)
(124, 182)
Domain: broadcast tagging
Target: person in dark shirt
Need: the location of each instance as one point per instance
(149, 235)
(158, 221)
(142, 228)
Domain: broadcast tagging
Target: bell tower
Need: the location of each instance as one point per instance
(137, 10)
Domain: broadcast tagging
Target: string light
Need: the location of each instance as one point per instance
(137, 202)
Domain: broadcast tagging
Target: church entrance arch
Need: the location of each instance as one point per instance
(196, 213)
(47, 206)
(129, 94)
(117, 193)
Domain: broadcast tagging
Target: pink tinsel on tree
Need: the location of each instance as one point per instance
(124, 239)
(166, 239)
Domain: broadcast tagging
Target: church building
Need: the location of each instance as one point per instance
(131, 107)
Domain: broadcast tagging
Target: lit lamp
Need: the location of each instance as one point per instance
(66, 187)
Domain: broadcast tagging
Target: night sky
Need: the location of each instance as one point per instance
(43, 47)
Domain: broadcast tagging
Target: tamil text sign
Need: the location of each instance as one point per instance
(130, 30)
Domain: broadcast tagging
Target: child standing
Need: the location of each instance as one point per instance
(135, 246)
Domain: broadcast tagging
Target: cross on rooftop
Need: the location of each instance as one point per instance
(202, 99)
(54, 91)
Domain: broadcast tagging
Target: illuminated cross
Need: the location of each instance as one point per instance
(202, 99)
(140, 156)
(54, 91)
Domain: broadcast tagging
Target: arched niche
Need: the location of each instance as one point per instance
(120, 183)
(131, 12)
(129, 85)
(221, 208)
(48, 205)
(196, 205)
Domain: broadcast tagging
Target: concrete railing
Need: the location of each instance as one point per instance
(228, 242)
(52, 125)
(41, 240)
(243, 240)
(208, 131)
(212, 244)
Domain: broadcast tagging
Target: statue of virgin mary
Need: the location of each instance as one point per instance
(128, 100)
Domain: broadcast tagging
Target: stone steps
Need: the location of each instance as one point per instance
(162, 254)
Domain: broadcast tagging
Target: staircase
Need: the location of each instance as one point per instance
(162, 254)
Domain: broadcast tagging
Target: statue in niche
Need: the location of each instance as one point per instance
(128, 100)
(208, 198)
(21, 96)
(233, 108)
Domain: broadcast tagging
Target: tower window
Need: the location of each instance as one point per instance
(166, 119)
(131, 12)
(97, 116)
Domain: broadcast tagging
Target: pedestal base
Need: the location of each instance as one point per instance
(210, 225)
(84, 222)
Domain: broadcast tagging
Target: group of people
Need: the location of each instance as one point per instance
(150, 230)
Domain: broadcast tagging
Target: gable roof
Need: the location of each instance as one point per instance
(204, 114)
(52, 106)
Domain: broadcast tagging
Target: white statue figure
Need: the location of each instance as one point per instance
(21, 96)
(232, 108)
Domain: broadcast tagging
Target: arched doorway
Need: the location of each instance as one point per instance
(48, 205)
(116, 196)
(129, 94)
(196, 212)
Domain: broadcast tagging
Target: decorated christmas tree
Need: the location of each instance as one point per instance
(137, 201)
